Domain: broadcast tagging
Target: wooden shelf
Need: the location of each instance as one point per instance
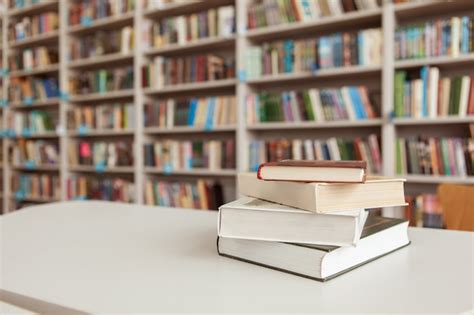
(101, 133)
(42, 6)
(205, 43)
(182, 8)
(36, 104)
(37, 168)
(433, 179)
(105, 60)
(91, 97)
(426, 8)
(433, 121)
(187, 129)
(112, 22)
(106, 170)
(35, 40)
(43, 70)
(36, 199)
(208, 85)
(315, 125)
(192, 172)
(435, 61)
(325, 24)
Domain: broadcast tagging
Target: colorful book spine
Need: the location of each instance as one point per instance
(29, 90)
(33, 58)
(423, 210)
(31, 123)
(85, 12)
(101, 154)
(35, 186)
(34, 153)
(119, 116)
(30, 26)
(81, 187)
(101, 81)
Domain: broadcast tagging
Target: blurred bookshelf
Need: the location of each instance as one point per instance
(216, 67)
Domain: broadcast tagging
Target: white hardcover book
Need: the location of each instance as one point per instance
(316, 103)
(464, 100)
(297, 149)
(170, 104)
(349, 105)
(455, 36)
(308, 149)
(433, 83)
(334, 149)
(181, 29)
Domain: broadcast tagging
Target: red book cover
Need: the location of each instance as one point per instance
(470, 106)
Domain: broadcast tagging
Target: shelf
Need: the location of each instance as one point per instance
(91, 97)
(206, 43)
(438, 179)
(36, 104)
(112, 22)
(110, 170)
(44, 135)
(433, 121)
(43, 6)
(435, 61)
(35, 40)
(184, 7)
(104, 60)
(187, 129)
(35, 199)
(325, 24)
(324, 73)
(427, 8)
(36, 71)
(37, 168)
(208, 85)
(315, 125)
(101, 133)
(192, 172)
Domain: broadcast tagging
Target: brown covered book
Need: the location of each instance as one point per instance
(314, 171)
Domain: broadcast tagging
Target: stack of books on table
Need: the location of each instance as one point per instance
(311, 218)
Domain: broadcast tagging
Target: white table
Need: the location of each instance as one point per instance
(103, 257)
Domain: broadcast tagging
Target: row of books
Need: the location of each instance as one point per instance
(33, 58)
(31, 89)
(81, 187)
(37, 186)
(32, 122)
(440, 37)
(100, 154)
(214, 22)
(30, 26)
(362, 48)
(435, 156)
(172, 155)
(263, 13)
(87, 11)
(32, 153)
(101, 81)
(202, 194)
(118, 116)
(424, 211)
(163, 71)
(205, 112)
(367, 149)
(428, 95)
(102, 43)
(349, 102)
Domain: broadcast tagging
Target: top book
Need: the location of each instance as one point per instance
(314, 171)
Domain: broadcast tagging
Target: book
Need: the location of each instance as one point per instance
(100, 154)
(30, 26)
(89, 118)
(87, 12)
(255, 219)
(380, 236)
(101, 81)
(313, 171)
(35, 186)
(33, 58)
(423, 210)
(82, 187)
(34, 153)
(31, 123)
(376, 192)
(29, 90)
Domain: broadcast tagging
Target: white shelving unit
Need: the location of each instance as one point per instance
(381, 76)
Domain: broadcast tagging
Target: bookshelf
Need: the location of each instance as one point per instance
(377, 77)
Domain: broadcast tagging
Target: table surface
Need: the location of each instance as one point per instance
(102, 257)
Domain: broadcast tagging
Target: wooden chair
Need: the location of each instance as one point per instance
(457, 202)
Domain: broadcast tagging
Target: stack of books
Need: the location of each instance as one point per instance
(310, 218)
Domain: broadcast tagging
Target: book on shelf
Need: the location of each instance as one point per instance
(116, 116)
(201, 194)
(426, 95)
(33, 58)
(102, 43)
(29, 90)
(172, 155)
(101, 81)
(86, 12)
(357, 48)
(160, 4)
(380, 236)
(263, 13)
(165, 71)
(36, 186)
(445, 156)
(33, 153)
(376, 192)
(30, 26)
(368, 149)
(182, 29)
(437, 37)
(423, 210)
(255, 219)
(314, 171)
(319, 105)
(100, 154)
(82, 187)
(32, 122)
(204, 112)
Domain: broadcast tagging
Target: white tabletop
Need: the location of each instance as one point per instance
(103, 257)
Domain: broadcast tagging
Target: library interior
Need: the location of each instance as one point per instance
(330, 140)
